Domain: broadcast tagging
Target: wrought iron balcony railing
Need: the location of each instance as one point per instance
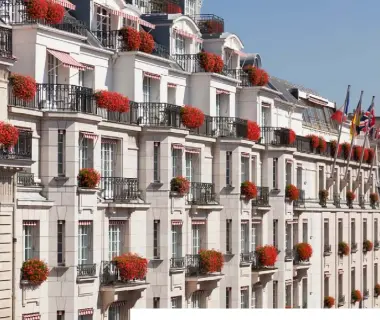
(247, 257)
(262, 199)
(177, 263)
(193, 265)
(289, 255)
(376, 245)
(110, 274)
(257, 265)
(14, 12)
(57, 97)
(156, 114)
(189, 62)
(86, 270)
(365, 294)
(21, 151)
(201, 193)
(274, 136)
(25, 179)
(361, 201)
(327, 250)
(341, 300)
(354, 247)
(209, 23)
(300, 203)
(336, 199)
(119, 189)
(162, 6)
(298, 261)
(6, 42)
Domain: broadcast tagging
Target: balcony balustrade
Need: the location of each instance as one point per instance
(6, 42)
(201, 193)
(110, 275)
(336, 199)
(327, 250)
(161, 6)
(209, 23)
(274, 136)
(300, 203)
(289, 255)
(361, 201)
(246, 257)
(14, 12)
(21, 151)
(25, 179)
(354, 247)
(177, 263)
(262, 199)
(341, 300)
(119, 189)
(257, 265)
(86, 270)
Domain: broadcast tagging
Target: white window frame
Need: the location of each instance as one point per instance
(30, 241)
(115, 240)
(229, 236)
(180, 44)
(61, 153)
(176, 302)
(244, 299)
(176, 162)
(176, 241)
(103, 20)
(61, 242)
(147, 89)
(156, 239)
(114, 312)
(244, 169)
(196, 300)
(228, 168)
(86, 153)
(196, 238)
(190, 7)
(85, 233)
(244, 238)
(156, 161)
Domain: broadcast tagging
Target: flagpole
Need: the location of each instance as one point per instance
(355, 185)
(373, 161)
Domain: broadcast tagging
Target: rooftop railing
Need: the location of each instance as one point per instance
(209, 23)
(6, 42)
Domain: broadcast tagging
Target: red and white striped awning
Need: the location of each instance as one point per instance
(178, 146)
(241, 53)
(172, 85)
(256, 221)
(109, 141)
(188, 35)
(65, 3)
(244, 221)
(31, 316)
(116, 222)
(88, 66)
(244, 288)
(340, 271)
(198, 222)
(85, 312)
(152, 75)
(327, 274)
(220, 91)
(89, 135)
(84, 222)
(66, 60)
(118, 303)
(192, 150)
(291, 221)
(177, 222)
(31, 223)
(245, 155)
(147, 24)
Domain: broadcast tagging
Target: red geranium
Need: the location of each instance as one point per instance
(356, 296)
(34, 271)
(23, 87)
(207, 61)
(367, 245)
(8, 135)
(218, 64)
(374, 198)
(314, 140)
(36, 9)
(292, 192)
(350, 196)
(329, 302)
(55, 13)
(146, 42)
(131, 266)
(371, 155)
(292, 136)
(322, 145)
(173, 8)
(253, 131)
(346, 147)
(267, 255)
(88, 178)
(358, 150)
(365, 155)
(180, 185)
(192, 117)
(131, 38)
(211, 261)
(112, 101)
(212, 26)
(249, 190)
(333, 148)
(257, 76)
(377, 289)
(344, 248)
(304, 251)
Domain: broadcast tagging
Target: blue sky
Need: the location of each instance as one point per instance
(323, 45)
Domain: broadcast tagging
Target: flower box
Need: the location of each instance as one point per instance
(88, 178)
(346, 148)
(371, 155)
(350, 197)
(55, 13)
(377, 290)
(8, 135)
(192, 117)
(292, 136)
(218, 64)
(343, 248)
(334, 145)
(374, 198)
(367, 246)
(323, 195)
(131, 267)
(292, 192)
(211, 261)
(131, 39)
(180, 185)
(356, 296)
(36, 9)
(329, 302)
(257, 76)
(112, 101)
(267, 255)
(207, 61)
(34, 271)
(23, 87)
(322, 145)
(253, 131)
(248, 190)
(304, 251)
(314, 141)
(146, 42)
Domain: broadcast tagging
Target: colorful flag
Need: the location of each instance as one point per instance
(340, 115)
(354, 130)
(368, 119)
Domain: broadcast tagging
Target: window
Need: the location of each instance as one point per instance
(176, 302)
(295, 294)
(295, 234)
(376, 273)
(288, 293)
(114, 312)
(31, 239)
(340, 285)
(321, 178)
(177, 162)
(275, 170)
(299, 177)
(196, 300)
(147, 88)
(353, 232)
(103, 20)
(365, 287)
(376, 230)
(85, 242)
(191, 165)
(156, 303)
(288, 174)
(228, 298)
(217, 105)
(340, 230)
(196, 236)
(304, 293)
(305, 235)
(61, 153)
(244, 237)
(24, 143)
(115, 234)
(255, 235)
(254, 168)
(353, 282)
(60, 315)
(190, 7)
(61, 242)
(52, 72)
(244, 298)
(156, 162)
(156, 239)
(177, 241)
(228, 236)
(86, 153)
(253, 298)
(326, 285)
(364, 230)
(326, 233)
(228, 168)
(275, 294)
(180, 47)
(288, 236)
(244, 168)
(275, 233)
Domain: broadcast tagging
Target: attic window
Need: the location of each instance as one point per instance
(294, 93)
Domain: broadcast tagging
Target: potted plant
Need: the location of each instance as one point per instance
(131, 267)
(322, 145)
(357, 153)
(304, 251)
(343, 248)
(34, 271)
(334, 145)
(356, 296)
(36, 9)
(371, 155)
(374, 198)
(346, 148)
(55, 13)
(292, 192)
(192, 117)
(146, 42)
(131, 39)
(207, 61)
(377, 290)
(23, 87)
(253, 131)
(267, 255)
(180, 185)
(112, 101)
(314, 141)
(218, 64)
(350, 197)
(211, 261)
(367, 246)
(257, 76)
(323, 195)
(8, 135)
(173, 8)
(329, 302)
(248, 190)
(292, 136)
(88, 178)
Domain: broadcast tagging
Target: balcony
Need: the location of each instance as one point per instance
(177, 264)
(162, 6)
(341, 300)
(25, 179)
(14, 13)
(361, 201)
(336, 200)
(156, 114)
(119, 189)
(86, 270)
(110, 279)
(365, 294)
(327, 250)
(209, 23)
(21, 154)
(275, 136)
(376, 245)
(6, 43)
(262, 199)
(289, 255)
(194, 268)
(300, 203)
(58, 98)
(354, 247)
(201, 194)
(258, 269)
(246, 258)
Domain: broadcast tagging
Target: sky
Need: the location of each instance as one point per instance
(323, 45)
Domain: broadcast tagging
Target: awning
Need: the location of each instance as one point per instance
(119, 303)
(152, 75)
(109, 141)
(84, 222)
(66, 60)
(88, 66)
(172, 85)
(87, 311)
(240, 53)
(177, 222)
(31, 316)
(198, 222)
(116, 222)
(192, 150)
(177, 146)
(89, 135)
(146, 24)
(187, 35)
(245, 288)
(220, 91)
(245, 155)
(244, 221)
(65, 4)
(31, 223)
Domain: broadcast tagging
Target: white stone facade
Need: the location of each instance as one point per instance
(77, 231)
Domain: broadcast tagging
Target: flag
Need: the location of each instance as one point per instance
(354, 130)
(377, 134)
(368, 119)
(341, 114)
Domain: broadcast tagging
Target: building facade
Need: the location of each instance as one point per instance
(78, 231)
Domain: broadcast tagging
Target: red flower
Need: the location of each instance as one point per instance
(173, 8)
(333, 148)
(23, 87)
(365, 155)
(112, 101)
(346, 147)
(374, 197)
(329, 302)
(344, 248)
(34, 271)
(304, 251)
(377, 289)
(36, 9)
(257, 76)
(55, 13)
(292, 192)
(314, 140)
(358, 150)
(207, 61)
(88, 178)
(146, 42)
(131, 266)
(180, 185)
(249, 190)
(131, 38)
(371, 155)
(253, 131)
(192, 117)
(323, 194)
(356, 296)
(211, 261)
(322, 145)
(218, 64)
(212, 26)
(292, 136)
(267, 255)
(367, 245)
(8, 135)
(350, 196)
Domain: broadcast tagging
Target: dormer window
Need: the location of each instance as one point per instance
(190, 7)
(179, 44)
(103, 19)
